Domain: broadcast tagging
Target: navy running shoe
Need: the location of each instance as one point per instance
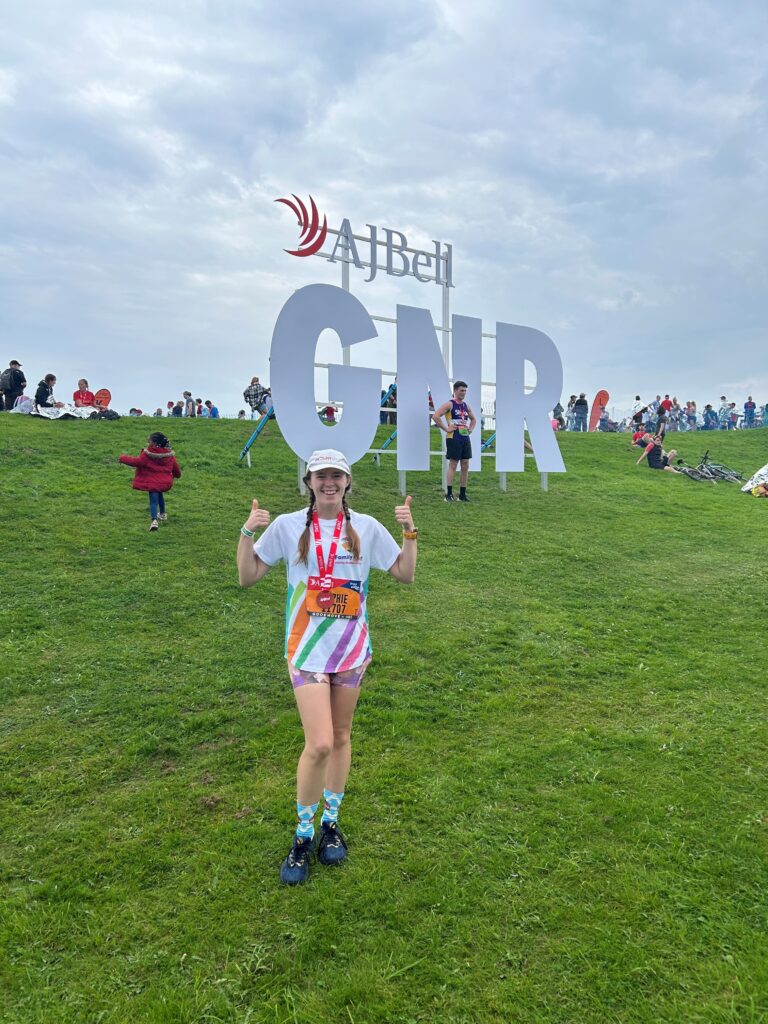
(295, 868)
(463, 497)
(449, 497)
(332, 846)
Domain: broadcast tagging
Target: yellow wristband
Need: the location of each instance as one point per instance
(410, 534)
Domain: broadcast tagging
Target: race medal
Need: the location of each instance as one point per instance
(341, 601)
(326, 595)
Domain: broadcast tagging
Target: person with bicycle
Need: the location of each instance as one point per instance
(657, 457)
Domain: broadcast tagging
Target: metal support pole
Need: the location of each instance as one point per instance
(503, 481)
(544, 481)
(447, 348)
(345, 355)
(401, 481)
(302, 470)
(261, 424)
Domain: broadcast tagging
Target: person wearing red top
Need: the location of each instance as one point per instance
(657, 457)
(156, 468)
(83, 397)
(666, 404)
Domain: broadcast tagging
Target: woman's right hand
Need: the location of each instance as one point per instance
(258, 518)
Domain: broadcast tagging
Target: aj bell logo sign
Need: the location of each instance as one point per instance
(420, 367)
(401, 261)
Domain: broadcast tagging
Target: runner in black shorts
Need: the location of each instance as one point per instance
(459, 423)
(657, 457)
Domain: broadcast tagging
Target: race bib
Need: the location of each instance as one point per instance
(331, 597)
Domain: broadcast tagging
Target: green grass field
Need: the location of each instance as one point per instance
(558, 807)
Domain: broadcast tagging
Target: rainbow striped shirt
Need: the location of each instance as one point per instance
(313, 643)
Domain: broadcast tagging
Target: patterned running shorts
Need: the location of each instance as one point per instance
(352, 678)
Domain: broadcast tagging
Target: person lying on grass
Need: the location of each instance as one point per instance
(657, 457)
(329, 551)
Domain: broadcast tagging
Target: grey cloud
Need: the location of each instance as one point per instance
(599, 169)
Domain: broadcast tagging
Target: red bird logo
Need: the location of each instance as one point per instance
(312, 233)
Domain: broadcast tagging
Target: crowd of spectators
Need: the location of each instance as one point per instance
(13, 384)
(659, 415)
(663, 414)
(191, 408)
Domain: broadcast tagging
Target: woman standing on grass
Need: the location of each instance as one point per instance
(328, 550)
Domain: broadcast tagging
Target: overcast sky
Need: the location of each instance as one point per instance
(599, 168)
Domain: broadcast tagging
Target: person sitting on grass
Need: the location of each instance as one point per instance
(760, 491)
(641, 438)
(83, 397)
(156, 468)
(44, 395)
(657, 457)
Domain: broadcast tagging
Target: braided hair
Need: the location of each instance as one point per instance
(302, 555)
(352, 538)
(303, 551)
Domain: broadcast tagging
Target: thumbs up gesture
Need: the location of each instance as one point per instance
(258, 518)
(403, 514)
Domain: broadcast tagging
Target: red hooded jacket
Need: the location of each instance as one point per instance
(155, 469)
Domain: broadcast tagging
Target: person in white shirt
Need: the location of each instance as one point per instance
(329, 551)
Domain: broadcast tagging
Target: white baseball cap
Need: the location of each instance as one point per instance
(328, 458)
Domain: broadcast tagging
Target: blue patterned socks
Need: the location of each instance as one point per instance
(331, 806)
(306, 826)
(306, 813)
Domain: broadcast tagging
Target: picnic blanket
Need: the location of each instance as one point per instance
(66, 412)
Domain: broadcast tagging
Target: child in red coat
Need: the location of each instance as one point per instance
(156, 469)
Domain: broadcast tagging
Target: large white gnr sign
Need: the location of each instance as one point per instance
(420, 369)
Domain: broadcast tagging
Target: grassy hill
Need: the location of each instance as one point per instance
(558, 807)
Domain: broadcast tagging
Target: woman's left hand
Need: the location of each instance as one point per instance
(403, 514)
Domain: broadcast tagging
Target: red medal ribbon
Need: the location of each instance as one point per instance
(325, 573)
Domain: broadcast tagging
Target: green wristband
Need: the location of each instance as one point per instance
(246, 532)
